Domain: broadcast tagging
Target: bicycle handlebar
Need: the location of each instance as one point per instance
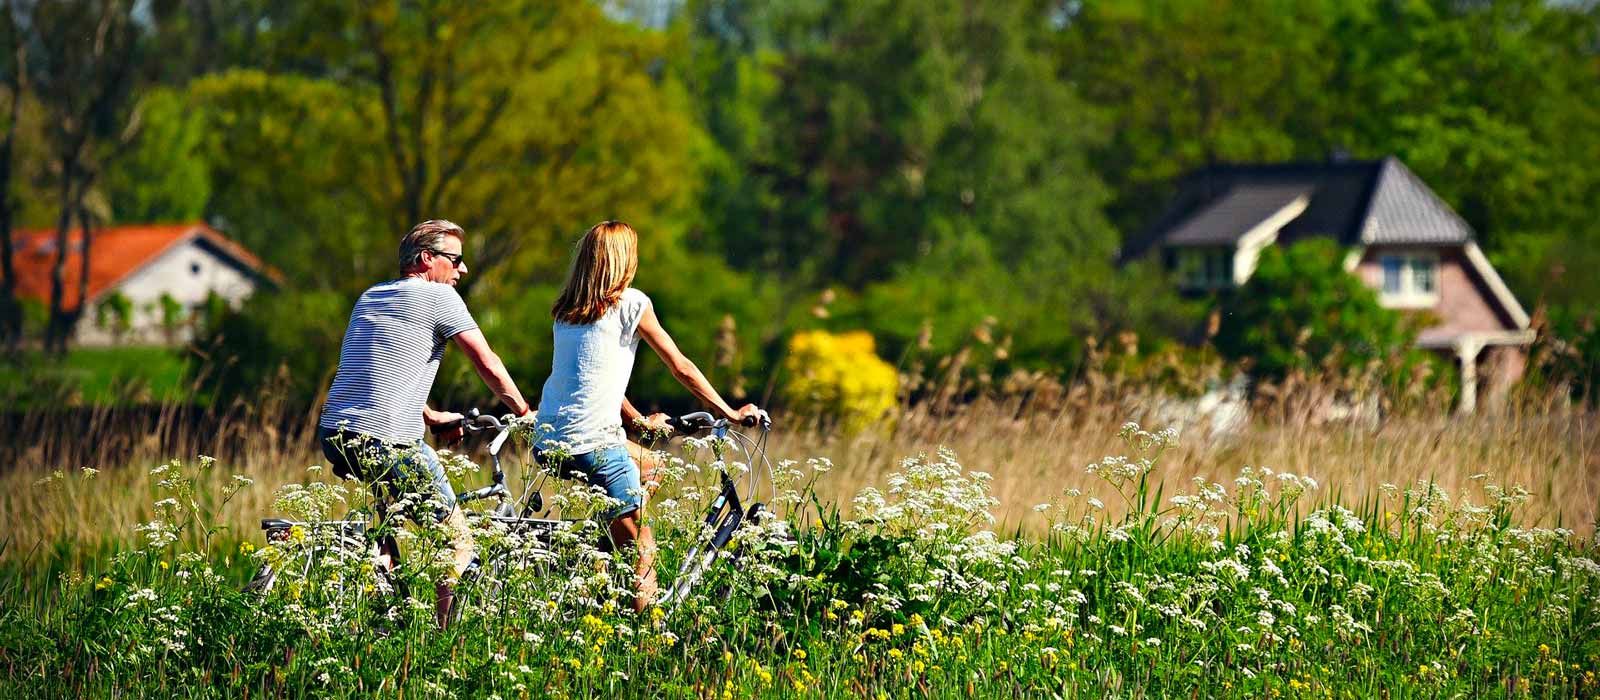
(687, 424)
(690, 423)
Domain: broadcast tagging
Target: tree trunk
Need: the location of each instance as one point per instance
(55, 335)
(87, 237)
(10, 311)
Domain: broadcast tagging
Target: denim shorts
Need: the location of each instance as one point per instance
(612, 469)
(391, 469)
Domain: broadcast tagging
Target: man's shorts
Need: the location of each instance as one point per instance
(391, 469)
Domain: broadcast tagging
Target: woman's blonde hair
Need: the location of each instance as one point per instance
(602, 267)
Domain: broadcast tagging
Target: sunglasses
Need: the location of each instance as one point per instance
(454, 258)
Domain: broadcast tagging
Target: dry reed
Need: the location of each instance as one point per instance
(1033, 448)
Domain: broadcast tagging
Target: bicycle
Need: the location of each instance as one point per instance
(350, 537)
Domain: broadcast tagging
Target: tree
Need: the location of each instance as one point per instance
(84, 85)
(16, 83)
(912, 152)
(524, 122)
(518, 120)
(1191, 84)
(163, 177)
(1301, 308)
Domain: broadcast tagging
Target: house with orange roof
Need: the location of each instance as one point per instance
(157, 268)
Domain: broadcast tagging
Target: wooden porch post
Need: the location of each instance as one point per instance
(1467, 350)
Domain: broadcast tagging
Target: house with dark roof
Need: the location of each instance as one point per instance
(151, 266)
(1402, 240)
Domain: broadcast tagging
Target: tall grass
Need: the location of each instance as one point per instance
(1036, 443)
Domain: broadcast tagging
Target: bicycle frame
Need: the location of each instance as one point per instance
(725, 516)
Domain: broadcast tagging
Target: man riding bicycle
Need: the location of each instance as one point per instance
(373, 422)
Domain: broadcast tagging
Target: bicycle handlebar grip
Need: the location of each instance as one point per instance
(762, 419)
(691, 422)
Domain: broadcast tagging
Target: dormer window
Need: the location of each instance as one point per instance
(1410, 280)
(1204, 267)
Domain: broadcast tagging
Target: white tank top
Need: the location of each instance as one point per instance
(582, 399)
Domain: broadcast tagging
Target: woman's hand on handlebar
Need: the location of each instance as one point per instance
(749, 414)
(656, 422)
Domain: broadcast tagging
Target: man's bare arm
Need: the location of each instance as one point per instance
(492, 370)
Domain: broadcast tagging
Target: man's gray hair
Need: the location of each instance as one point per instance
(428, 235)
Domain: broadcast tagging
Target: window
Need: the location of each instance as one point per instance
(1410, 279)
(1205, 268)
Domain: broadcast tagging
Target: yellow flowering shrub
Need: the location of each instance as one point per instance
(839, 375)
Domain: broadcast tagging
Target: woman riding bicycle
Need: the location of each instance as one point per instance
(599, 320)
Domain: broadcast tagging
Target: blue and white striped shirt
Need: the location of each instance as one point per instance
(389, 357)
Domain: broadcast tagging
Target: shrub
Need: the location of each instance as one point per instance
(1301, 309)
(839, 376)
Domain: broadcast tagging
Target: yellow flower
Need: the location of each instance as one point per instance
(898, 629)
(800, 654)
(103, 583)
(1544, 650)
(297, 533)
(896, 654)
(727, 657)
(246, 548)
(165, 566)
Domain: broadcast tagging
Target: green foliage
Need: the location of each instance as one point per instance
(942, 166)
(869, 146)
(164, 176)
(292, 340)
(1301, 308)
(114, 313)
(294, 180)
(120, 376)
(172, 313)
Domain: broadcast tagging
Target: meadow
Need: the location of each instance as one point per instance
(1039, 554)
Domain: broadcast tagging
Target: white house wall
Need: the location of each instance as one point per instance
(188, 272)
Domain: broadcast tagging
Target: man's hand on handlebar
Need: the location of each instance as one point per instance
(445, 425)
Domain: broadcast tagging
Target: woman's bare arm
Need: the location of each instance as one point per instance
(685, 371)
